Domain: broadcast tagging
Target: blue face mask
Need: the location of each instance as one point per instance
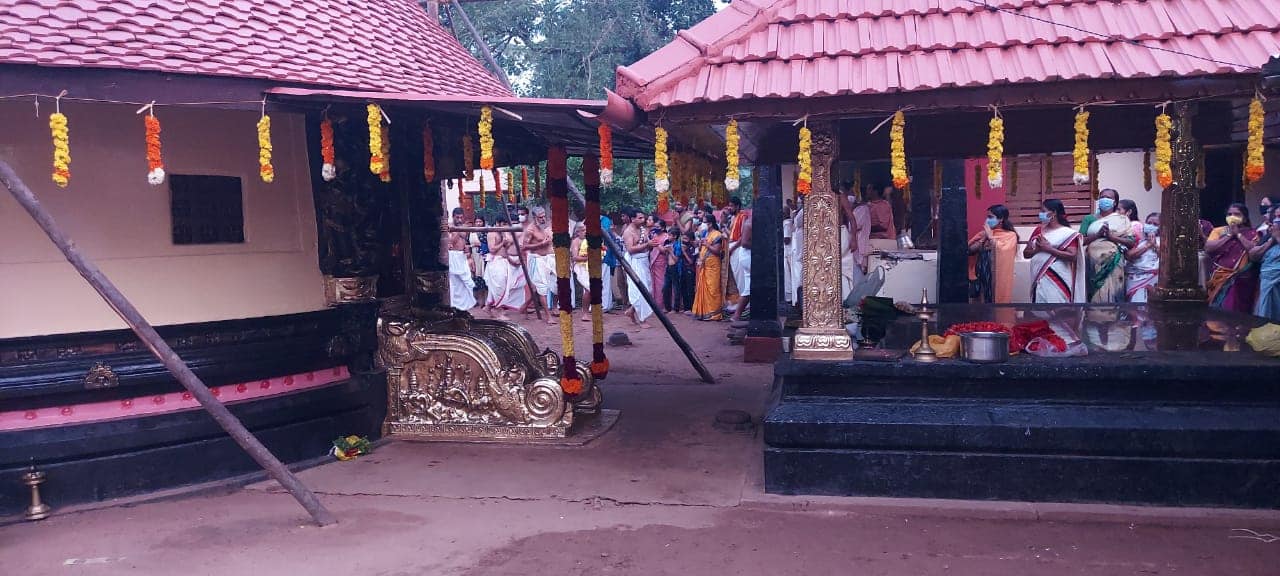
(1150, 229)
(1105, 204)
(992, 222)
(1044, 217)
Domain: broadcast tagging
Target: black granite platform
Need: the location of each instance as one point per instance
(1170, 407)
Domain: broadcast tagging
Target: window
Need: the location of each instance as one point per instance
(206, 209)
(1032, 179)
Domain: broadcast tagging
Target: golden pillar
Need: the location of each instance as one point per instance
(1180, 239)
(822, 336)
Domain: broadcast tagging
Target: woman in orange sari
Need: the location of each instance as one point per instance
(992, 252)
(708, 301)
(1234, 283)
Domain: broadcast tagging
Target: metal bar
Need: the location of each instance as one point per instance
(108, 291)
(484, 46)
(644, 293)
(485, 229)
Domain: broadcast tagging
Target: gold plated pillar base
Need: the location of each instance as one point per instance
(822, 344)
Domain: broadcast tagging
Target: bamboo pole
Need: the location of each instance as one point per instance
(176, 366)
(648, 297)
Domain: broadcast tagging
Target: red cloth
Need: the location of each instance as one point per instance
(1026, 332)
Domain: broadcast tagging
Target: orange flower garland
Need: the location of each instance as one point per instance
(524, 182)
(265, 170)
(155, 164)
(606, 154)
(61, 149)
(328, 170)
(804, 177)
(485, 128)
(1254, 165)
(428, 154)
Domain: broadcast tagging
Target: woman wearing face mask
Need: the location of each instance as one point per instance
(1234, 283)
(708, 302)
(1142, 268)
(1265, 214)
(1267, 255)
(1054, 253)
(1106, 234)
(992, 253)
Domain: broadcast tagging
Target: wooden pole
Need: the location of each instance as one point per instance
(108, 291)
(484, 46)
(644, 293)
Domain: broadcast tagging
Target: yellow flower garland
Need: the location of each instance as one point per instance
(661, 177)
(804, 161)
(732, 175)
(265, 169)
(375, 138)
(1080, 153)
(1254, 165)
(1164, 151)
(995, 152)
(486, 138)
(898, 150)
(61, 149)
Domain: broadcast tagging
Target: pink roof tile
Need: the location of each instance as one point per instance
(790, 48)
(373, 45)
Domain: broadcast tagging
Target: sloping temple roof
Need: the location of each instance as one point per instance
(808, 48)
(375, 45)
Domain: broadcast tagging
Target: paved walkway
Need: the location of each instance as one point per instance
(663, 493)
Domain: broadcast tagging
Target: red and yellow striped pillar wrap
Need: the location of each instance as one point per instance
(595, 242)
(558, 192)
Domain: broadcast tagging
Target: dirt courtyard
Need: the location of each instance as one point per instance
(662, 493)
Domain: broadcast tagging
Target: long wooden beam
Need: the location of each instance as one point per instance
(152, 340)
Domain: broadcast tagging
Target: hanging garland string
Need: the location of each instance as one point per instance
(61, 149)
(468, 157)
(804, 176)
(155, 162)
(1254, 165)
(1146, 170)
(1080, 153)
(898, 150)
(511, 186)
(375, 138)
(537, 180)
(640, 192)
(995, 151)
(661, 176)
(486, 138)
(328, 171)
(497, 185)
(595, 284)
(428, 153)
(732, 175)
(265, 169)
(558, 190)
(606, 153)
(524, 182)
(1164, 150)
(385, 174)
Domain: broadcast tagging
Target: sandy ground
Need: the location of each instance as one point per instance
(663, 492)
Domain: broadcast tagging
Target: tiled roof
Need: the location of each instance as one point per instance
(804, 48)
(376, 45)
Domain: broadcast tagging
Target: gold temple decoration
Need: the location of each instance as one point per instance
(822, 336)
(38, 510)
(347, 290)
(452, 377)
(1180, 232)
(100, 376)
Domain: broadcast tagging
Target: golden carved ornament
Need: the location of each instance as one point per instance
(348, 290)
(822, 335)
(100, 376)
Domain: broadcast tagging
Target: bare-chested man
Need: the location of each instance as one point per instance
(635, 241)
(541, 259)
(503, 275)
(462, 286)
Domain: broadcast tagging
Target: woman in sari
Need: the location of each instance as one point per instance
(578, 253)
(659, 257)
(1106, 237)
(1233, 284)
(1054, 250)
(992, 253)
(708, 301)
(1267, 255)
(1142, 269)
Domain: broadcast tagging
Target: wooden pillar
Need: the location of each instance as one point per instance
(822, 335)
(764, 333)
(1180, 217)
(953, 236)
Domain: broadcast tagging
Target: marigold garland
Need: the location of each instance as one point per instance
(732, 175)
(595, 283)
(1080, 153)
(524, 182)
(804, 176)
(375, 138)
(155, 162)
(606, 153)
(1146, 170)
(486, 138)
(497, 185)
(661, 177)
(511, 186)
(1255, 166)
(1164, 151)
(385, 174)
(898, 150)
(468, 158)
(61, 149)
(265, 170)
(558, 190)
(428, 153)
(328, 171)
(995, 152)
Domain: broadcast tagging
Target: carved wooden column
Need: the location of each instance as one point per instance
(822, 336)
(1180, 217)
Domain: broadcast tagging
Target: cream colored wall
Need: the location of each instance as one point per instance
(123, 224)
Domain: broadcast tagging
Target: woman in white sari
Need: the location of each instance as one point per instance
(1142, 269)
(1054, 251)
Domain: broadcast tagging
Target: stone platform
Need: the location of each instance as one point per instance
(1169, 407)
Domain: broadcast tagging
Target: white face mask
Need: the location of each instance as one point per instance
(522, 218)
(702, 229)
